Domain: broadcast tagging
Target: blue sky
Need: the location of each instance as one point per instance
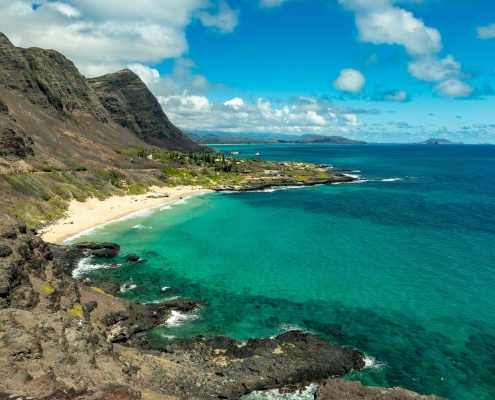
(375, 70)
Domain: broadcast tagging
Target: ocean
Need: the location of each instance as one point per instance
(400, 265)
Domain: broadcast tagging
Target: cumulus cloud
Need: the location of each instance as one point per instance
(224, 21)
(271, 3)
(236, 115)
(454, 88)
(398, 95)
(148, 75)
(235, 103)
(182, 79)
(381, 22)
(432, 69)
(397, 26)
(487, 32)
(352, 120)
(349, 80)
(104, 36)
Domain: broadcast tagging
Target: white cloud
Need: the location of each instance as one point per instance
(350, 80)
(399, 95)
(64, 9)
(224, 21)
(271, 3)
(487, 32)
(351, 119)
(235, 103)
(432, 69)
(148, 75)
(380, 22)
(104, 36)
(454, 88)
(397, 26)
(192, 112)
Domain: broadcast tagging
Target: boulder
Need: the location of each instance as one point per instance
(132, 258)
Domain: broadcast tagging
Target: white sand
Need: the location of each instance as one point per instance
(94, 212)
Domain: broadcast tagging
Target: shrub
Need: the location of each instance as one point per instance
(48, 289)
(76, 311)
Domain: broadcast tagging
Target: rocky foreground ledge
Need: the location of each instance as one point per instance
(44, 353)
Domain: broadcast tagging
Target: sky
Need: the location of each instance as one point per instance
(375, 70)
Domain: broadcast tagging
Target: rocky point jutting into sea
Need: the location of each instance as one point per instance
(61, 139)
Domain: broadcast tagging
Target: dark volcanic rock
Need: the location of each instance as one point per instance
(5, 250)
(339, 389)
(67, 257)
(138, 318)
(260, 185)
(109, 287)
(292, 357)
(132, 258)
(99, 250)
(133, 106)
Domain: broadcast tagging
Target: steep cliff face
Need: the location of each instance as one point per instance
(133, 106)
(64, 87)
(15, 73)
(48, 79)
(13, 141)
(53, 89)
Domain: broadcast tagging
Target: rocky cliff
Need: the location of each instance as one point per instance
(42, 86)
(49, 80)
(133, 106)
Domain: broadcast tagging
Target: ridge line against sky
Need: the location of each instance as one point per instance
(374, 70)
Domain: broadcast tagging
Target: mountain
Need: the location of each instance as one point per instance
(133, 106)
(45, 102)
(327, 140)
(240, 138)
(439, 141)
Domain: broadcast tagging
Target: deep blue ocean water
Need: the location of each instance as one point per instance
(400, 266)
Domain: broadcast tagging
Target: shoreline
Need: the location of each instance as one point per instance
(81, 216)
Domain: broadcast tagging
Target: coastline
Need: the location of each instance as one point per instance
(81, 216)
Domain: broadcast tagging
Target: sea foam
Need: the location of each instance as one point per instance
(305, 394)
(177, 318)
(372, 363)
(391, 180)
(87, 265)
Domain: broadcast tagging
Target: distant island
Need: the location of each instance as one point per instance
(439, 141)
(233, 138)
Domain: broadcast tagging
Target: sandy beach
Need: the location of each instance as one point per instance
(94, 212)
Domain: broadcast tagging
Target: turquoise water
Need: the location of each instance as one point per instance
(400, 265)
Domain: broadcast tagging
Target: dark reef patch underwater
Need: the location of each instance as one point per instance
(399, 266)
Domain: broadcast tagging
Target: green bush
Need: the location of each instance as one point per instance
(136, 189)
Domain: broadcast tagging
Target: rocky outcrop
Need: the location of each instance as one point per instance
(262, 185)
(67, 257)
(226, 369)
(339, 389)
(133, 106)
